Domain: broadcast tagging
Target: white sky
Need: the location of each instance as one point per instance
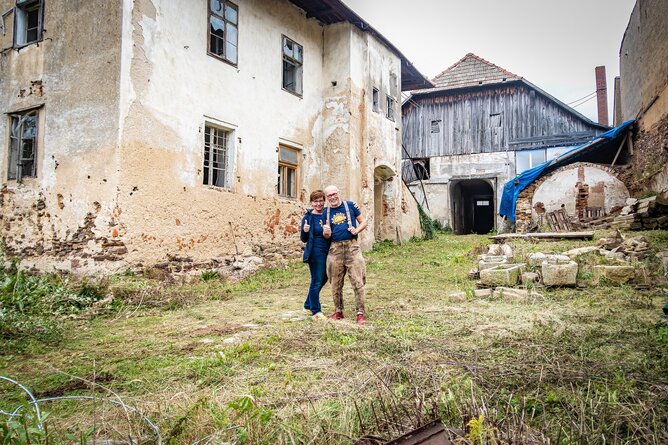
(554, 44)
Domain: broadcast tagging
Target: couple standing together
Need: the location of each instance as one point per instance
(332, 250)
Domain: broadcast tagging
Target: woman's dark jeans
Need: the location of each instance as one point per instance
(318, 267)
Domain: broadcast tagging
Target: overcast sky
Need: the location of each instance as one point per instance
(554, 44)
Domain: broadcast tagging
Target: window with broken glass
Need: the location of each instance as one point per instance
(28, 16)
(23, 145)
(223, 30)
(293, 58)
(288, 165)
(216, 154)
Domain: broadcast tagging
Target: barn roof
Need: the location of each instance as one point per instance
(335, 11)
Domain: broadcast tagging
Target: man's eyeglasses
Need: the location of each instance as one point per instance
(329, 195)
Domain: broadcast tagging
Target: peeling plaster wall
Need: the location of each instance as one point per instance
(59, 219)
(561, 187)
(120, 181)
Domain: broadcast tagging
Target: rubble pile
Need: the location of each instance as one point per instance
(637, 214)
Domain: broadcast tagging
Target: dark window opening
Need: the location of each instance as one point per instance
(421, 168)
(223, 30)
(28, 22)
(390, 108)
(293, 59)
(376, 100)
(23, 145)
(436, 126)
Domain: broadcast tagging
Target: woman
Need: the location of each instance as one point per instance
(315, 252)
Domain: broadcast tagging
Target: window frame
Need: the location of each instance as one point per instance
(282, 178)
(390, 104)
(299, 68)
(15, 145)
(207, 176)
(223, 57)
(375, 100)
(20, 7)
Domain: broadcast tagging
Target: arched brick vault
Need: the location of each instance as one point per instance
(523, 207)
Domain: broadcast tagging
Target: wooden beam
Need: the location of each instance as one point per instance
(619, 150)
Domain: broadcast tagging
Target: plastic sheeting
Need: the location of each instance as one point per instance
(513, 187)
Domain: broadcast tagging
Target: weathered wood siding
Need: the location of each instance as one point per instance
(483, 121)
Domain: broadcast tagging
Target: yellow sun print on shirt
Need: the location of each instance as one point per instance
(339, 218)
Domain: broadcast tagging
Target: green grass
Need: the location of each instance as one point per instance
(237, 362)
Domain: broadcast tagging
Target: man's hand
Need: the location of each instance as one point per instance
(306, 226)
(326, 231)
(353, 230)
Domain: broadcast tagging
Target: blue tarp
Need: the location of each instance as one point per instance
(513, 187)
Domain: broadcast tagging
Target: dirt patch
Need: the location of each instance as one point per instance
(87, 383)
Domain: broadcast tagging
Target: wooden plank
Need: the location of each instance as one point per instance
(544, 235)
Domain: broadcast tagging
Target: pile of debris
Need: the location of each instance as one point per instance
(637, 214)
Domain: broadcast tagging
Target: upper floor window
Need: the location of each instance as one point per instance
(390, 108)
(22, 162)
(375, 98)
(28, 22)
(223, 30)
(288, 166)
(293, 58)
(217, 148)
(527, 159)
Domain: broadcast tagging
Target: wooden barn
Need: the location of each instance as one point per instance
(477, 128)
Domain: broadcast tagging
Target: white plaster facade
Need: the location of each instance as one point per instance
(119, 178)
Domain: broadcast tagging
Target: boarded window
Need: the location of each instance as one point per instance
(28, 22)
(293, 59)
(223, 30)
(288, 168)
(436, 126)
(23, 145)
(216, 156)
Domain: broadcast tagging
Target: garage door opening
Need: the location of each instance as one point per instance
(472, 206)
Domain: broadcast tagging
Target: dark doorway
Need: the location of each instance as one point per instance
(472, 206)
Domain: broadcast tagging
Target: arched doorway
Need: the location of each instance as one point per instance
(472, 203)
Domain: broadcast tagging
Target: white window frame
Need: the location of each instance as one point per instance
(228, 17)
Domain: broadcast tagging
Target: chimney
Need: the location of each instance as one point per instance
(602, 95)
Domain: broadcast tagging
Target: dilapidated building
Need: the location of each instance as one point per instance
(188, 134)
(478, 127)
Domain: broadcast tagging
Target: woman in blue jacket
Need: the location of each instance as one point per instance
(315, 252)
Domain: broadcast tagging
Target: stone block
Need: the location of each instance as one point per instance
(559, 274)
(494, 249)
(515, 295)
(507, 251)
(489, 261)
(530, 277)
(574, 253)
(502, 275)
(536, 259)
(614, 274)
(465, 295)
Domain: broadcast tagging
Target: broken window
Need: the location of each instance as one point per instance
(288, 165)
(216, 156)
(421, 168)
(223, 27)
(390, 108)
(527, 159)
(28, 22)
(23, 145)
(436, 126)
(292, 66)
(375, 97)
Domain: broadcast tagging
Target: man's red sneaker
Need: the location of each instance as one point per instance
(336, 316)
(360, 319)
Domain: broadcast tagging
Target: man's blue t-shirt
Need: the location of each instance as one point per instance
(339, 222)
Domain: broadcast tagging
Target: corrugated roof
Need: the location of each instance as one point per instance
(334, 11)
(470, 71)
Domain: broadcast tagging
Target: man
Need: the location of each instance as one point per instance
(343, 222)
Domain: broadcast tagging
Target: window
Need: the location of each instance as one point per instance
(288, 163)
(28, 22)
(436, 126)
(217, 150)
(375, 97)
(293, 55)
(526, 159)
(390, 108)
(223, 30)
(23, 145)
